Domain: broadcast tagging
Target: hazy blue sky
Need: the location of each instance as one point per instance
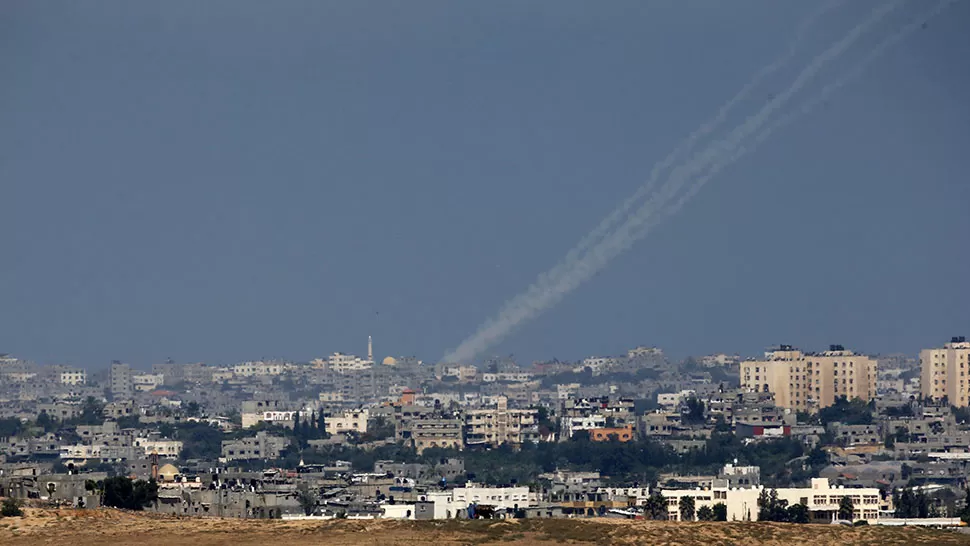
(225, 180)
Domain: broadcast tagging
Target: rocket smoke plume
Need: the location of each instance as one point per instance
(627, 224)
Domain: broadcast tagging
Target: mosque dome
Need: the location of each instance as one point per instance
(167, 472)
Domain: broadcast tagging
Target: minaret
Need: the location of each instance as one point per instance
(370, 349)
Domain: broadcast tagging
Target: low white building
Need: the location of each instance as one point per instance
(821, 498)
(499, 497)
(443, 506)
(637, 495)
(670, 400)
(567, 390)
(73, 376)
(258, 368)
(572, 425)
(719, 359)
(147, 382)
(164, 448)
(597, 363)
(284, 418)
(342, 363)
(352, 420)
(398, 511)
(508, 377)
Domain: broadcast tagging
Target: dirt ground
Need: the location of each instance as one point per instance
(83, 527)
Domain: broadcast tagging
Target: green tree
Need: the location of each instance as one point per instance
(46, 422)
(322, 424)
(770, 507)
(720, 512)
(656, 507)
(798, 513)
(307, 500)
(92, 412)
(378, 428)
(686, 506)
(705, 513)
(965, 513)
(850, 412)
(10, 508)
(922, 505)
(192, 409)
(129, 421)
(199, 440)
(695, 411)
(11, 427)
(304, 433)
(846, 508)
(122, 492)
(905, 503)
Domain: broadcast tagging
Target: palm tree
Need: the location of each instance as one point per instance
(687, 508)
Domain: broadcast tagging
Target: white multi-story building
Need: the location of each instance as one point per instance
(567, 390)
(257, 368)
(463, 373)
(147, 382)
(943, 372)
(641, 351)
(719, 359)
(73, 376)
(572, 425)
(499, 497)
(164, 448)
(222, 374)
(342, 363)
(597, 363)
(80, 451)
(348, 421)
(670, 400)
(821, 499)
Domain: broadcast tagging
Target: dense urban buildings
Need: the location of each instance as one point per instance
(795, 436)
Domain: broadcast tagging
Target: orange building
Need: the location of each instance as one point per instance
(407, 397)
(624, 434)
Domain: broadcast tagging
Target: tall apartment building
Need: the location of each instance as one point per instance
(342, 363)
(424, 432)
(122, 385)
(943, 372)
(501, 425)
(807, 382)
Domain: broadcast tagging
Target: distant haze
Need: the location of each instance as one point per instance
(228, 180)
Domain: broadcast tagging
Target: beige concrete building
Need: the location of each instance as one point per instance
(821, 498)
(807, 382)
(501, 425)
(73, 376)
(943, 372)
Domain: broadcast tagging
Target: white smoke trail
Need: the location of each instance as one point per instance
(806, 107)
(687, 145)
(552, 277)
(549, 289)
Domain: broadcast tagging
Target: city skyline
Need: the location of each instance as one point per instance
(378, 357)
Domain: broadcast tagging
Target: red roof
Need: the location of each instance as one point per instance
(163, 393)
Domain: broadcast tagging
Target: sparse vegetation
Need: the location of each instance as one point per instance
(10, 508)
